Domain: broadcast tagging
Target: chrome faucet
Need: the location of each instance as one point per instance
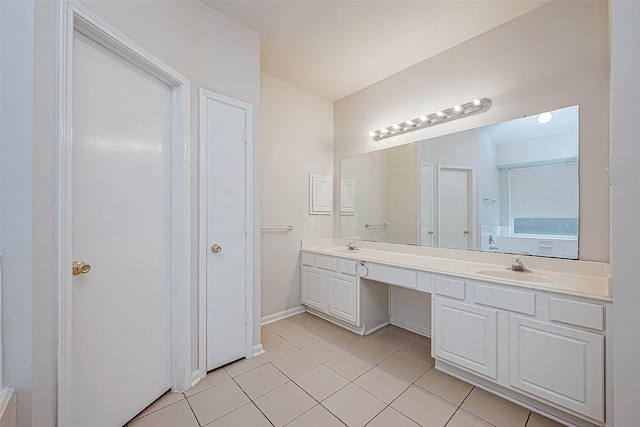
(352, 246)
(517, 265)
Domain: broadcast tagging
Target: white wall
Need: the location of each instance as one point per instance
(625, 208)
(297, 139)
(552, 57)
(209, 49)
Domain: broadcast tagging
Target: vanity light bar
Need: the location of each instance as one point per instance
(426, 120)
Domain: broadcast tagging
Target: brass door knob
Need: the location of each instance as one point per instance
(216, 248)
(80, 267)
(466, 231)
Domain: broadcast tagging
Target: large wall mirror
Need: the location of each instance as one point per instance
(511, 187)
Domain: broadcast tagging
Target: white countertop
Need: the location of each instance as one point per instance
(595, 284)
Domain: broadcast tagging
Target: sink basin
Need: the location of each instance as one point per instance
(512, 275)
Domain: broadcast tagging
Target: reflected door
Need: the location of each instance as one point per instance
(454, 207)
(427, 235)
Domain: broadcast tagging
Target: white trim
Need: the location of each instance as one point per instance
(421, 237)
(73, 16)
(202, 227)
(282, 315)
(258, 350)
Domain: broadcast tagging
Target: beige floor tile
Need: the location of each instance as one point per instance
(382, 384)
(267, 334)
(393, 340)
(495, 410)
(244, 365)
(405, 366)
(353, 406)
(318, 416)
(302, 319)
(217, 401)
(302, 337)
(402, 331)
(162, 402)
(464, 419)
(261, 380)
(323, 350)
(283, 327)
(295, 364)
(214, 377)
(325, 329)
(346, 340)
(349, 365)
(373, 351)
(537, 420)
(285, 403)
(277, 348)
(445, 386)
(391, 418)
(378, 332)
(419, 350)
(247, 415)
(425, 408)
(176, 414)
(321, 382)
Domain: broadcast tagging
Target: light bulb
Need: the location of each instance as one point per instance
(396, 127)
(373, 133)
(477, 102)
(410, 123)
(457, 109)
(440, 114)
(544, 118)
(384, 131)
(424, 118)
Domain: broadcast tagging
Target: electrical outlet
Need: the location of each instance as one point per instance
(310, 224)
(353, 222)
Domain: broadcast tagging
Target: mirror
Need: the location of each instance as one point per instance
(511, 187)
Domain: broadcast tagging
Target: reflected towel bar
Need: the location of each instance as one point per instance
(286, 227)
(384, 224)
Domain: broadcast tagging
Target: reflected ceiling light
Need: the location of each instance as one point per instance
(426, 120)
(544, 118)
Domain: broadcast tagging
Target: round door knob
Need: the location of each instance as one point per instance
(80, 267)
(466, 231)
(430, 232)
(216, 248)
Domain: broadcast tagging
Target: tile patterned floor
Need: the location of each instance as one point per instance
(316, 374)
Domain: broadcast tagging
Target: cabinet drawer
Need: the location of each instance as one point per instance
(326, 263)
(393, 275)
(576, 313)
(347, 267)
(453, 288)
(307, 259)
(518, 301)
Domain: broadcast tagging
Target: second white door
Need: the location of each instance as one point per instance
(455, 186)
(224, 132)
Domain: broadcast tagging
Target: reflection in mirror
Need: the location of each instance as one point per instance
(509, 187)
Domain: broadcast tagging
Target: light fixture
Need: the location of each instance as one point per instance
(544, 118)
(441, 116)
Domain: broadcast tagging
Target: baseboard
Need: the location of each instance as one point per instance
(282, 315)
(411, 326)
(258, 350)
(196, 377)
(7, 408)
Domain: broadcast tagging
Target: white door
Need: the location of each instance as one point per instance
(454, 207)
(225, 145)
(121, 226)
(426, 204)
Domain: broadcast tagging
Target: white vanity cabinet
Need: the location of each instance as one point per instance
(330, 285)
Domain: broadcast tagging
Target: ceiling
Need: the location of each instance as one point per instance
(335, 48)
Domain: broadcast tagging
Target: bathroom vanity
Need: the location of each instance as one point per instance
(536, 338)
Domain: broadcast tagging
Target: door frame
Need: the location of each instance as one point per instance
(472, 206)
(71, 17)
(422, 163)
(203, 249)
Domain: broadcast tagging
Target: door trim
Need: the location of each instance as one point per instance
(422, 163)
(203, 250)
(472, 206)
(71, 17)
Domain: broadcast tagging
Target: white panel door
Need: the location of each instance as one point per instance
(312, 287)
(343, 296)
(563, 365)
(466, 335)
(454, 208)
(225, 141)
(121, 226)
(426, 204)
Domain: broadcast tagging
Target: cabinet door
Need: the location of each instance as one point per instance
(312, 290)
(466, 335)
(564, 366)
(343, 296)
